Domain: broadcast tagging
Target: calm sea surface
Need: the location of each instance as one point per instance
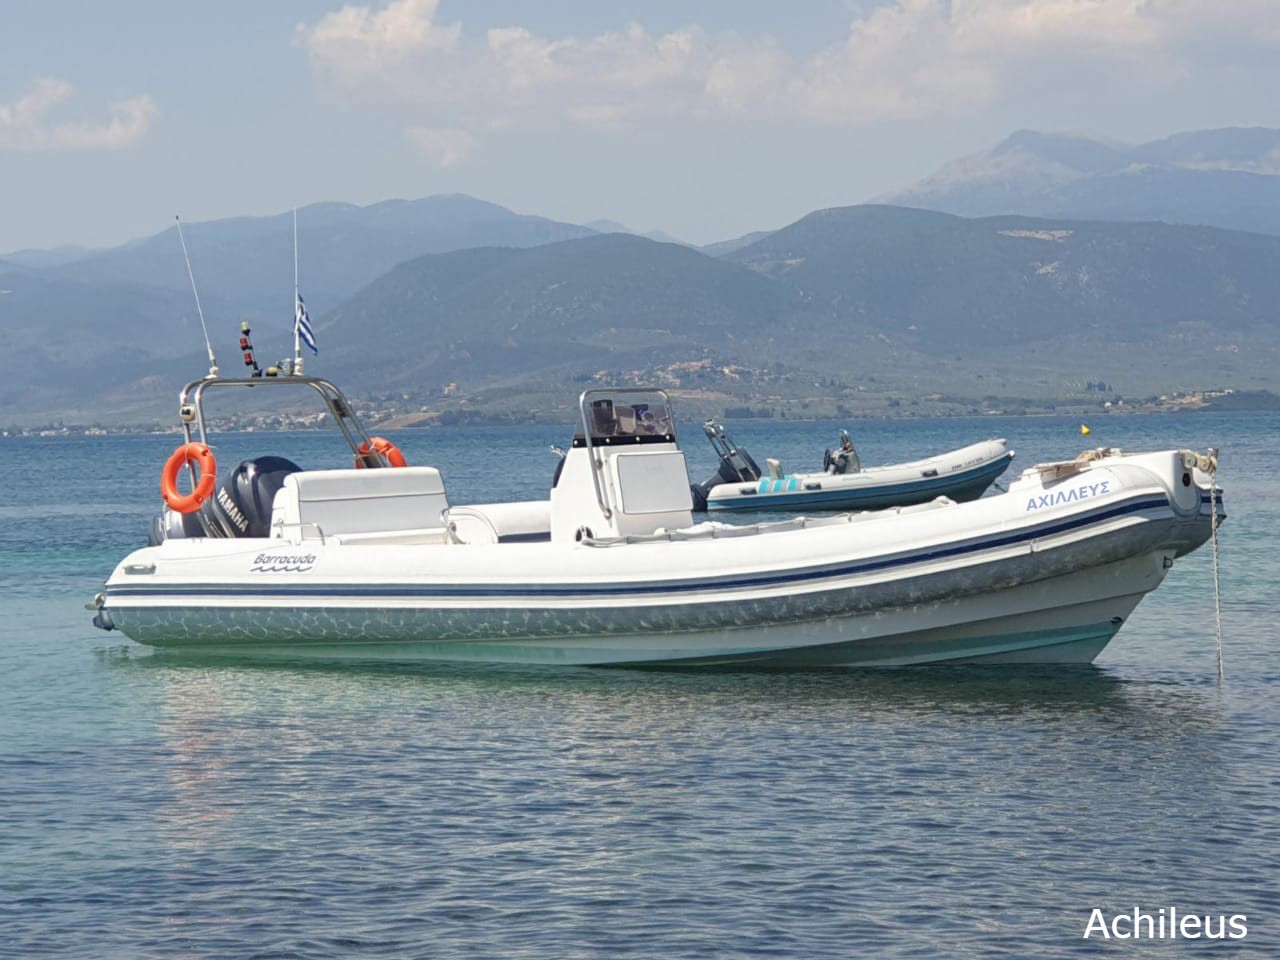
(164, 806)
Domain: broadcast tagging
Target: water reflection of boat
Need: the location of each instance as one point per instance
(376, 562)
(844, 484)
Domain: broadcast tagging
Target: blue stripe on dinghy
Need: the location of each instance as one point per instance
(774, 493)
(597, 590)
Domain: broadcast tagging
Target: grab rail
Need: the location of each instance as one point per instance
(446, 518)
(191, 408)
(280, 525)
(597, 466)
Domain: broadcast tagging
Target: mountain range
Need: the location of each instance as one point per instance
(614, 301)
(74, 330)
(451, 302)
(1226, 178)
(244, 265)
(906, 300)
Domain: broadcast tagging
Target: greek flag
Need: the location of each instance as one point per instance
(302, 326)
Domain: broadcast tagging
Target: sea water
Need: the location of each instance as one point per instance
(157, 805)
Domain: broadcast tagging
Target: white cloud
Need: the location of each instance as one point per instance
(1025, 28)
(744, 77)
(356, 43)
(915, 58)
(443, 147)
(633, 60)
(900, 59)
(605, 80)
(523, 61)
(25, 126)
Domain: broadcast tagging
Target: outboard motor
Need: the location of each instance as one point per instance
(736, 465)
(172, 525)
(240, 508)
(242, 505)
(844, 460)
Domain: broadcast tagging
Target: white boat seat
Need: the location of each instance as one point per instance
(351, 504)
(526, 521)
(774, 467)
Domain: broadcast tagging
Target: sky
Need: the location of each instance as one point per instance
(702, 118)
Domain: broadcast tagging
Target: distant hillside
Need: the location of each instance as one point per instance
(607, 226)
(909, 300)
(247, 262)
(948, 283)
(74, 327)
(614, 300)
(68, 344)
(613, 226)
(39, 259)
(1227, 178)
(723, 248)
(869, 308)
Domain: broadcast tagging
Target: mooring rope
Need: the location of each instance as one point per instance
(1213, 527)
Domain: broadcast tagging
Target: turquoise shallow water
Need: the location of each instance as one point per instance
(160, 806)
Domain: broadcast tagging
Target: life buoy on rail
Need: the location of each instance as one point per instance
(384, 448)
(202, 457)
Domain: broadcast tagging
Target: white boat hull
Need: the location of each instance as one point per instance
(1043, 573)
(967, 630)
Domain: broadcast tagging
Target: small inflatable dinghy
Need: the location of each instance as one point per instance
(844, 484)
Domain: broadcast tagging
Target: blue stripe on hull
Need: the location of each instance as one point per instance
(513, 591)
(961, 486)
(703, 627)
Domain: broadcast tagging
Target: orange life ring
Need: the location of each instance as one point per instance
(384, 448)
(202, 457)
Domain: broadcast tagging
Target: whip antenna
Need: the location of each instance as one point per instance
(297, 299)
(213, 363)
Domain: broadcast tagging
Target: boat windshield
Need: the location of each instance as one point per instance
(632, 415)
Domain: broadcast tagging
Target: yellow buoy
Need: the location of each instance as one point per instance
(1084, 431)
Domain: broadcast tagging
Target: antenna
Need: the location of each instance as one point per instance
(297, 294)
(213, 363)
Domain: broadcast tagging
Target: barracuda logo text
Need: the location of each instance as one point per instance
(283, 563)
(1057, 497)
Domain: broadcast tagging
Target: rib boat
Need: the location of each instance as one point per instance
(844, 484)
(375, 561)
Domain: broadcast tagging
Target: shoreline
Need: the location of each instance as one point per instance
(1266, 402)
